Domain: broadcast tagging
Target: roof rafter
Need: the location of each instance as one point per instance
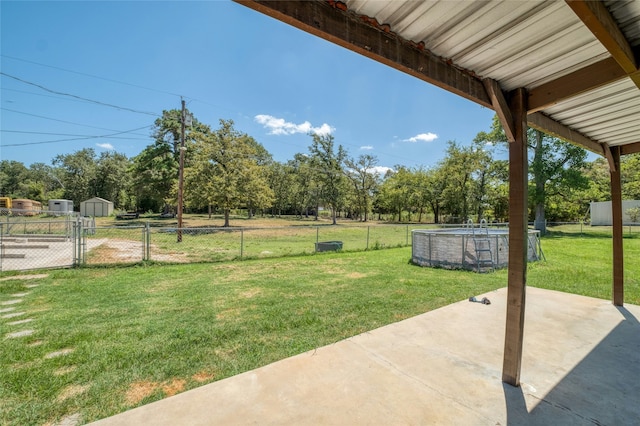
(548, 125)
(331, 22)
(603, 26)
(501, 107)
(585, 79)
(632, 148)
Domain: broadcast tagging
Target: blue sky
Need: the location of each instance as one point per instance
(228, 62)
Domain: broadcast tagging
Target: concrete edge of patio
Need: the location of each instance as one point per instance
(581, 365)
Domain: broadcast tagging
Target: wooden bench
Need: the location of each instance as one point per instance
(128, 216)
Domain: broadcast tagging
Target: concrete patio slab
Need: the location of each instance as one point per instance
(581, 365)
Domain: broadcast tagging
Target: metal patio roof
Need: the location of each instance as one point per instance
(577, 60)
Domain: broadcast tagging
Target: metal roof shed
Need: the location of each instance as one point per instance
(568, 68)
(96, 207)
(61, 206)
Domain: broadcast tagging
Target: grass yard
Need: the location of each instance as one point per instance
(108, 339)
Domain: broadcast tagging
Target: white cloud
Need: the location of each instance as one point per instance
(366, 148)
(278, 126)
(422, 137)
(381, 170)
(105, 145)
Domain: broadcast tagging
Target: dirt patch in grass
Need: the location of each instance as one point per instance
(203, 376)
(21, 365)
(25, 277)
(230, 313)
(69, 420)
(139, 391)
(71, 392)
(56, 354)
(119, 250)
(248, 294)
(356, 275)
(173, 387)
(64, 370)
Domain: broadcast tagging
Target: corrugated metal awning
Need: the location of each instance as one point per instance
(578, 60)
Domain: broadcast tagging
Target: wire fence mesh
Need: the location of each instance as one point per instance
(37, 239)
(52, 240)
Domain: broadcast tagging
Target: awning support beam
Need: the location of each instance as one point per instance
(616, 210)
(518, 235)
(501, 107)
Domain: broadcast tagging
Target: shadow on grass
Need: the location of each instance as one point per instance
(589, 234)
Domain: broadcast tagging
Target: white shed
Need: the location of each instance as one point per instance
(601, 214)
(61, 206)
(96, 207)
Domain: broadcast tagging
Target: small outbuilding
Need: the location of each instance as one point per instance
(96, 207)
(61, 206)
(602, 214)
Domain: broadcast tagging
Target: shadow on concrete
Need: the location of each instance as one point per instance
(610, 372)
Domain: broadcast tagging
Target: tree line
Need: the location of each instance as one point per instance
(226, 169)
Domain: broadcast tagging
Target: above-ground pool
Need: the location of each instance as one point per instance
(477, 249)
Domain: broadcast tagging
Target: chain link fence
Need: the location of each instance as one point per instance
(65, 241)
(37, 239)
(51, 240)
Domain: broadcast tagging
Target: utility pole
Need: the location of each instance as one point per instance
(181, 172)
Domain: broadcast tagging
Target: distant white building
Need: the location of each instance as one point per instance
(61, 206)
(601, 213)
(96, 207)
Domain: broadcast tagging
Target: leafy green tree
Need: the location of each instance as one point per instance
(634, 214)
(43, 179)
(305, 191)
(113, 181)
(78, 173)
(498, 190)
(281, 178)
(630, 176)
(364, 179)
(599, 180)
(460, 166)
(12, 175)
(395, 191)
(155, 170)
(555, 167)
(327, 161)
(226, 171)
(434, 182)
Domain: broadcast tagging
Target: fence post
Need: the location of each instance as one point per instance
(80, 252)
(1, 245)
(76, 243)
(142, 241)
(368, 228)
(241, 243)
(148, 242)
(317, 237)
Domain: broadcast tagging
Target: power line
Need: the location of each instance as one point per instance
(74, 139)
(116, 81)
(43, 95)
(78, 97)
(67, 122)
(89, 75)
(62, 134)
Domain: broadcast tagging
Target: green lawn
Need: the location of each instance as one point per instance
(133, 335)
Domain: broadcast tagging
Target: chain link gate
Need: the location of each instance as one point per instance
(38, 240)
